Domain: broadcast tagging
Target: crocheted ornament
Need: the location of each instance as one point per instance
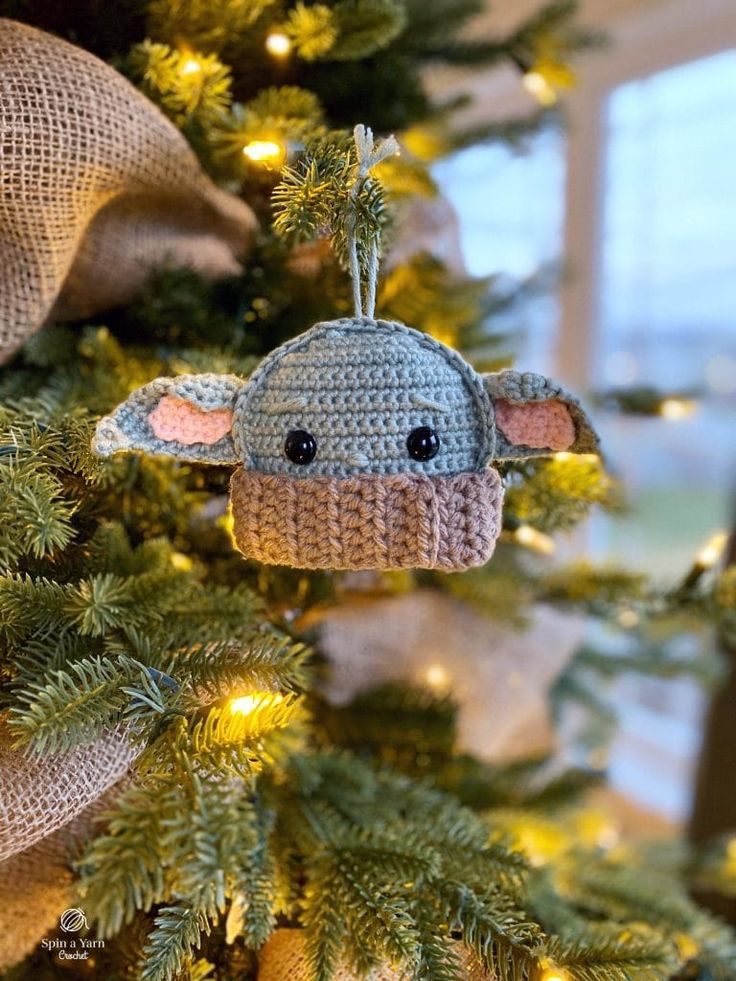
(361, 444)
(98, 188)
(284, 956)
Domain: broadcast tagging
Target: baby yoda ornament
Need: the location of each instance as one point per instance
(361, 444)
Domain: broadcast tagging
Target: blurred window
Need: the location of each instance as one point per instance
(668, 290)
(667, 318)
(667, 301)
(510, 205)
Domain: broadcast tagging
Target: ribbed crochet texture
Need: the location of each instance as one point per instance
(98, 188)
(403, 521)
(39, 794)
(284, 958)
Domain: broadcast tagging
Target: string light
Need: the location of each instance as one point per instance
(537, 85)
(181, 562)
(705, 558)
(563, 456)
(278, 44)
(713, 549)
(676, 408)
(437, 678)
(267, 152)
(247, 704)
(537, 541)
(190, 66)
(628, 619)
(554, 974)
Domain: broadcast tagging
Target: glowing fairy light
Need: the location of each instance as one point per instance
(266, 152)
(712, 551)
(563, 456)
(181, 562)
(190, 66)
(537, 85)
(537, 541)
(554, 974)
(247, 704)
(628, 619)
(278, 44)
(437, 678)
(676, 408)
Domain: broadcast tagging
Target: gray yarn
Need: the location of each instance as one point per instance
(359, 386)
(523, 387)
(127, 428)
(369, 154)
(366, 384)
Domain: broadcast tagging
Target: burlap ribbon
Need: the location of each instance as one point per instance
(40, 794)
(37, 885)
(97, 188)
(499, 675)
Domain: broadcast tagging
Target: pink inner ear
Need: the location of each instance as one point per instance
(540, 425)
(176, 419)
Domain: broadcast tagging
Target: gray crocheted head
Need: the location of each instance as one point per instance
(362, 444)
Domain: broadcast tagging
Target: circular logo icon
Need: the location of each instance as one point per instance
(73, 920)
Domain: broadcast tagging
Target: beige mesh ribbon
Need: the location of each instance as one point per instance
(284, 957)
(37, 885)
(498, 674)
(97, 187)
(40, 794)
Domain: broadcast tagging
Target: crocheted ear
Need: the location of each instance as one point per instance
(534, 417)
(189, 417)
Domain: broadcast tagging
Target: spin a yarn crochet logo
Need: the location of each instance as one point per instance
(73, 948)
(73, 920)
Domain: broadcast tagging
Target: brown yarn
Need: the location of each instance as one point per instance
(36, 885)
(365, 522)
(40, 794)
(284, 957)
(499, 675)
(98, 188)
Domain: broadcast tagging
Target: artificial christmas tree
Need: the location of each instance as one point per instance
(253, 809)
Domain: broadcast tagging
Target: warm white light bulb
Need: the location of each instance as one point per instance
(675, 408)
(278, 44)
(190, 66)
(437, 678)
(267, 152)
(246, 704)
(536, 540)
(537, 85)
(713, 549)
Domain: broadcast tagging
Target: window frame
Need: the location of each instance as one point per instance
(643, 43)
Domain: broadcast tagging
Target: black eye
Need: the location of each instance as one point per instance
(423, 443)
(300, 446)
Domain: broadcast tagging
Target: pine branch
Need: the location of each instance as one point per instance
(79, 705)
(220, 670)
(125, 869)
(228, 738)
(176, 934)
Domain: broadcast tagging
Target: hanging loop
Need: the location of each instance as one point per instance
(369, 154)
